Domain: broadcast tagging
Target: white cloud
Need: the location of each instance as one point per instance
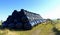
(53, 13)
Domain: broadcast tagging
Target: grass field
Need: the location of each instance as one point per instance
(41, 29)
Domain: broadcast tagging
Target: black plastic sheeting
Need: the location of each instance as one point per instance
(22, 20)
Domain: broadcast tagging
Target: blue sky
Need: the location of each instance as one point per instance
(46, 8)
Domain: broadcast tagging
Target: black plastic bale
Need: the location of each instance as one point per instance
(10, 19)
(5, 24)
(14, 13)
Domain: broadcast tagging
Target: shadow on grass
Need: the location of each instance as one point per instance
(15, 29)
(57, 32)
(1, 28)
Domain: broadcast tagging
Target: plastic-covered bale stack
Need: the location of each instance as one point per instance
(22, 20)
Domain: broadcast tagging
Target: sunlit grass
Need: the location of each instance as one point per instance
(57, 26)
(0, 23)
(47, 30)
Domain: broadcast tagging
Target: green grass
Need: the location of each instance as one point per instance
(47, 30)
